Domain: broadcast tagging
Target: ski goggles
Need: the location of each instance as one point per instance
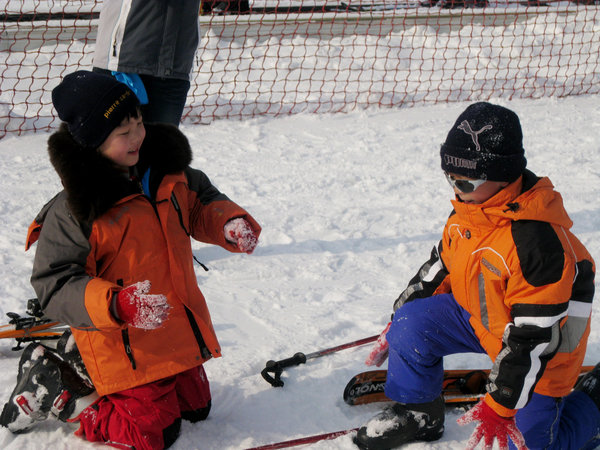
(465, 186)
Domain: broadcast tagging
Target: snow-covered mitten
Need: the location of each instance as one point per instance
(239, 231)
(491, 426)
(139, 309)
(380, 350)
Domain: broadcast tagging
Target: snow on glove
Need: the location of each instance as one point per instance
(139, 309)
(379, 353)
(238, 231)
(491, 426)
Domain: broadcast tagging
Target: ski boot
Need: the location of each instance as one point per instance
(402, 423)
(68, 351)
(46, 385)
(590, 384)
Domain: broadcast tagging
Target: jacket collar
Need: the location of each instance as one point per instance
(93, 185)
(528, 198)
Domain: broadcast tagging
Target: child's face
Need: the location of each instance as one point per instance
(122, 146)
(483, 192)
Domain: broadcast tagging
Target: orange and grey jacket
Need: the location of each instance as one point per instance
(105, 231)
(527, 282)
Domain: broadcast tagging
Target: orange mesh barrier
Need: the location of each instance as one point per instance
(285, 57)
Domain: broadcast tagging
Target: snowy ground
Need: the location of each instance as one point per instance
(350, 206)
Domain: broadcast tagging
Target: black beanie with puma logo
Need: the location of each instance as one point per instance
(485, 143)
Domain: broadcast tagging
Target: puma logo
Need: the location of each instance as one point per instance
(466, 127)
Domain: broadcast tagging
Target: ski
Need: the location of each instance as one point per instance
(460, 386)
(32, 327)
(305, 440)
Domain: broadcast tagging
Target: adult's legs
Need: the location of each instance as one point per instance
(166, 99)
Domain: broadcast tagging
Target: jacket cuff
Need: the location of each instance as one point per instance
(498, 408)
(216, 215)
(98, 303)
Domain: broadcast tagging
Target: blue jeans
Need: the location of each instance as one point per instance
(425, 330)
(166, 99)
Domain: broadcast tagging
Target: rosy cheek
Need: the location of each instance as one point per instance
(138, 136)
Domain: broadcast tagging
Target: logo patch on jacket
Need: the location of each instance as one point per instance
(488, 265)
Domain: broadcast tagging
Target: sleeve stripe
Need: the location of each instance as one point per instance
(542, 322)
(531, 377)
(572, 332)
(432, 271)
(536, 310)
(580, 309)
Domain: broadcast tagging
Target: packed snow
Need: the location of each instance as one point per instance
(350, 206)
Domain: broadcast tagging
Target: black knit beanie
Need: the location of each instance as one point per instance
(485, 143)
(92, 105)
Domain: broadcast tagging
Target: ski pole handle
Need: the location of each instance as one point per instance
(276, 367)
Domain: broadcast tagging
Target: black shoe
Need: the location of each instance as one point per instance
(403, 423)
(46, 385)
(590, 384)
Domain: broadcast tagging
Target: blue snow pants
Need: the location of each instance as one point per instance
(425, 330)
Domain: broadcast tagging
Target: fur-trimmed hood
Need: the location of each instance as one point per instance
(93, 184)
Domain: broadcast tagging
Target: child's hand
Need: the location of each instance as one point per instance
(380, 350)
(239, 231)
(139, 309)
(491, 426)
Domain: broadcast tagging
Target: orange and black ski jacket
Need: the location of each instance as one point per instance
(104, 232)
(527, 282)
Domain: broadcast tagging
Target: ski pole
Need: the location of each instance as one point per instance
(304, 440)
(276, 367)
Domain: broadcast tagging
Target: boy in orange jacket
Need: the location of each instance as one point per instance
(508, 279)
(114, 261)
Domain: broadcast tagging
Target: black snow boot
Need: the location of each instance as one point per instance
(590, 384)
(46, 385)
(402, 423)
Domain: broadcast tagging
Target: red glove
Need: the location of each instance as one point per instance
(239, 231)
(379, 353)
(491, 426)
(139, 309)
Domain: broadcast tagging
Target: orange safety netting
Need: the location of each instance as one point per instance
(273, 57)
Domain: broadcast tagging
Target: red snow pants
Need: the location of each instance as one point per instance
(147, 417)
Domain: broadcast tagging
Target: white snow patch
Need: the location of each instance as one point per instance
(350, 206)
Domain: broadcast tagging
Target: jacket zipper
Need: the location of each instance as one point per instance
(125, 339)
(190, 316)
(197, 334)
(180, 215)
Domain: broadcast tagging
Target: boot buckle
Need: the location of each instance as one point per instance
(21, 400)
(60, 402)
